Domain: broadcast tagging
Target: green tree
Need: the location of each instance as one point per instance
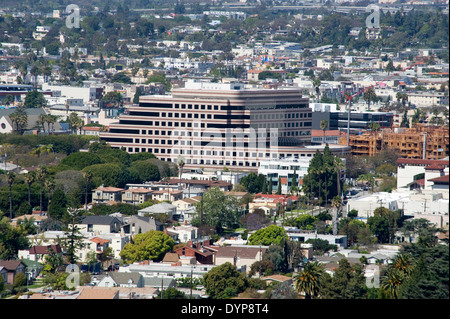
(35, 99)
(224, 281)
(146, 170)
(12, 239)
(152, 245)
(58, 206)
(80, 160)
(73, 239)
(272, 234)
(10, 177)
(323, 127)
(109, 174)
(254, 183)
(310, 280)
(218, 210)
(348, 282)
(369, 96)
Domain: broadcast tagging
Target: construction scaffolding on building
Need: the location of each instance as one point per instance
(421, 142)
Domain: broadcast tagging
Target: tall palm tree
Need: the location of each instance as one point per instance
(49, 185)
(11, 177)
(338, 166)
(87, 178)
(41, 121)
(41, 175)
(336, 205)
(308, 280)
(324, 126)
(369, 179)
(30, 178)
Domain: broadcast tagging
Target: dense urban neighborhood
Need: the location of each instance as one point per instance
(215, 149)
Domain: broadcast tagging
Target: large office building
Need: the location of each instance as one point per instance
(213, 125)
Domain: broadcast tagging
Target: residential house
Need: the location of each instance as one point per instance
(300, 235)
(100, 224)
(410, 170)
(12, 267)
(201, 251)
(104, 194)
(270, 203)
(150, 269)
(241, 256)
(161, 208)
(203, 184)
(89, 292)
(136, 196)
(38, 253)
(7, 126)
(184, 233)
(122, 279)
(186, 207)
(38, 220)
(3, 274)
(160, 282)
(167, 195)
(139, 224)
(277, 279)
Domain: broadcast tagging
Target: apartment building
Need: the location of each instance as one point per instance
(213, 125)
(419, 142)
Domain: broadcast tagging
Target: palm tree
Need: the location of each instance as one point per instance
(324, 126)
(369, 179)
(338, 166)
(30, 178)
(49, 187)
(336, 205)
(308, 280)
(316, 83)
(41, 121)
(403, 263)
(88, 178)
(41, 175)
(11, 177)
(392, 281)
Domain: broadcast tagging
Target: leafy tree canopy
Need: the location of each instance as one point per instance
(272, 234)
(152, 245)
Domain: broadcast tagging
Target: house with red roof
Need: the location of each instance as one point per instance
(38, 253)
(417, 173)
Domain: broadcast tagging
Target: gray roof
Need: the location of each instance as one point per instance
(122, 278)
(156, 282)
(99, 220)
(32, 113)
(158, 208)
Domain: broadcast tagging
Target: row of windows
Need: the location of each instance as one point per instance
(273, 116)
(231, 141)
(216, 107)
(280, 125)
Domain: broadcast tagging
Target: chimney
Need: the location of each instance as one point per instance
(190, 243)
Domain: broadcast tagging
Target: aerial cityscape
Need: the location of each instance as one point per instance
(246, 150)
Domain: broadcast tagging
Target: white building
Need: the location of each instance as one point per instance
(152, 269)
(284, 168)
(86, 93)
(185, 232)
